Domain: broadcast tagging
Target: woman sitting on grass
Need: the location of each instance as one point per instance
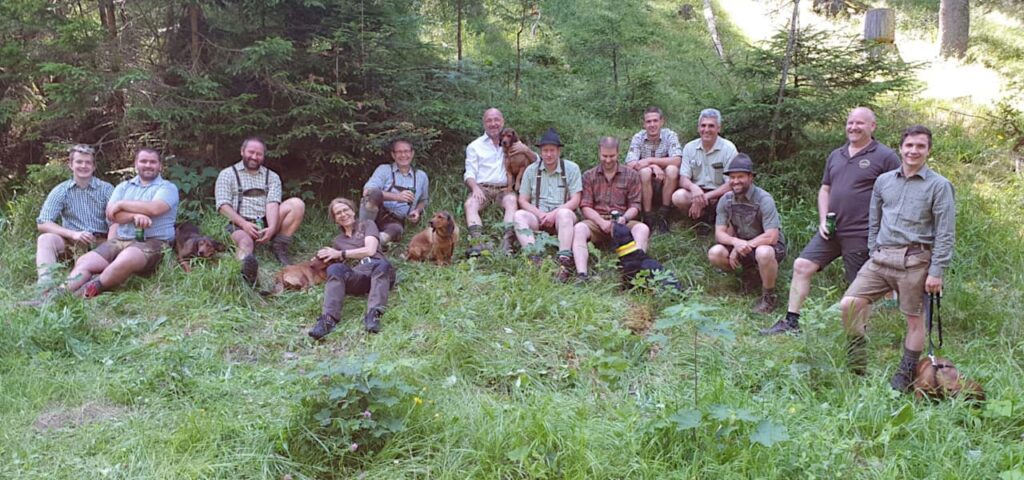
(356, 244)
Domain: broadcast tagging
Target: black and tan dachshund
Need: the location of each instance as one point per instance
(633, 260)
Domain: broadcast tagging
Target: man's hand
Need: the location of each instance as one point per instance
(141, 220)
(83, 237)
(520, 147)
(696, 210)
(264, 236)
(413, 216)
(478, 194)
(744, 247)
(734, 259)
(606, 225)
(823, 230)
(547, 219)
(406, 196)
(933, 284)
(250, 229)
(659, 173)
(328, 254)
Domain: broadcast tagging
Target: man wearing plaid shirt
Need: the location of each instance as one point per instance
(80, 204)
(655, 153)
(249, 195)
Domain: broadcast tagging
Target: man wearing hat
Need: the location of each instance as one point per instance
(748, 232)
(548, 198)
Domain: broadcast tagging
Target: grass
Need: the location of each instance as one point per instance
(512, 375)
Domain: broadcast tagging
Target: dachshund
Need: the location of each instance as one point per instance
(190, 243)
(299, 276)
(633, 260)
(515, 162)
(941, 379)
(437, 242)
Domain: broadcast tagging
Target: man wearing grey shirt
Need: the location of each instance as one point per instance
(911, 231)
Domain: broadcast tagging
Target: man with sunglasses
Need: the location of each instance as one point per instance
(249, 195)
(79, 203)
(395, 192)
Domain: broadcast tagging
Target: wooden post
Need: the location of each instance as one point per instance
(880, 30)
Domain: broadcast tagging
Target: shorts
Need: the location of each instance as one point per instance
(152, 249)
(390, 224)
(750, 260)
(492, 193)
(853, 249)
(895, 268)
(73, 250)
(598, 237)
(231, 227)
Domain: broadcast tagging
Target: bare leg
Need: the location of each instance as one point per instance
(564, 220)
(48, 247)
(646, 188)
(855, 312)
(641, 235)
(669, 185)
(292, 212)
(767, 266)
(244, 242)
(718, 255)
(580, 254)
(800, 285)
(85, 267)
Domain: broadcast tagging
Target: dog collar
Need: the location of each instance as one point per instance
(627, 249)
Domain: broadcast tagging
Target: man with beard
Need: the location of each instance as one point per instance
(145, 209)
(748, 232)
(249, 195)
(850, 174)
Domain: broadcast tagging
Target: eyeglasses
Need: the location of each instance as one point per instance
(82, 148)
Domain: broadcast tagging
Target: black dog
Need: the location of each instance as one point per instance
(633, 260)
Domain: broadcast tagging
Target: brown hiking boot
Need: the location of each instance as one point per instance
(566, 268)
(785, 325)
(769, 300)
(904, 378)
(508, 242)
(279, 247)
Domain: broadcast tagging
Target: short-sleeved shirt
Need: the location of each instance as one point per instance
(920, 209)
(605, 196)
(707, 168)
(485, 162)
(553, 192)
(80, 209)
(159, 189)
(254, 205)
(386, 177)
(760, 217)
(365, 228)
(851, 180)
(666, 145)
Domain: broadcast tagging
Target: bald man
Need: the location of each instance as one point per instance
(846, 185)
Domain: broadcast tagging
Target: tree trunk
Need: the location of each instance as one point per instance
(107, 17)
(880, 26)
(954, 27)
(193, 23)
(615, 67)
(790, 47)
(709, 17)
(458, 34)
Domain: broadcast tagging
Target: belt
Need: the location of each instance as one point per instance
(491, 185)
(916, 248)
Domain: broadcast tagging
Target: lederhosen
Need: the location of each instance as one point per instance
(565, 185)
(385, 215)
(250, 192)
(747, 224)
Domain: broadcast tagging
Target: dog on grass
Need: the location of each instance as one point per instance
(190, 243)
(633, 260)
(436, 242)
(941, 379)
(515, 163)
(299, 276)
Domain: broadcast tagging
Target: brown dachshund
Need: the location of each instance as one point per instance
(190, 243)
(299, 276)
(943, 380)
(515, 162)
(437, 242)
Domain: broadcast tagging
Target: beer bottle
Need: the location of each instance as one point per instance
(830, 223)
(140, 234)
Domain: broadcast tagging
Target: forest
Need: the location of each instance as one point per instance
(488, 368)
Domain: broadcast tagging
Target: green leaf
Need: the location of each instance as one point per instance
(903, 415)
(1015, 474)
(686, 419)
(518, 454)
(769, 433)
(999, 409)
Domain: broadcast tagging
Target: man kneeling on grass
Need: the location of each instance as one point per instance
(145, 209)
(748, 233)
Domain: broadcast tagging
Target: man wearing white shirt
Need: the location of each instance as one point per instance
(485, 176)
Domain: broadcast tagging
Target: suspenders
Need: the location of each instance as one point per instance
(394, 183)
(238, 180)
(565, 182)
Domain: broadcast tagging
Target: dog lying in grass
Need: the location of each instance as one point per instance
(633, 260)
(299, 276)
(942, 379)
(436, 242)
(516, 160)
(190, 243)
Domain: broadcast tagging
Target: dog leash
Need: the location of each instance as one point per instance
(932, 318)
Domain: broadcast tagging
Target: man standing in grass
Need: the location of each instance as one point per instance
(145, 209)
(486, 179)
(911, 231)
(80, 203)
(850, 174)
(395, 192)
(608, 187)
(749, 233)
(249, 195)
(548, 199)
(702, 174)
(655, 153)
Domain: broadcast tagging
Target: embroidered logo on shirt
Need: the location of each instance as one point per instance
(864, 163)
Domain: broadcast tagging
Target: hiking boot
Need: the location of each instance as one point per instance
(535, 260)
(768, 302)
(507, 242)
(93, 288)
(372, 320)
(857, 355)
(279, 247)
(566, 267)
(582, 278)
(782, 326)
(324, 325)
(250, 269)
(903, 380)
(657, 222)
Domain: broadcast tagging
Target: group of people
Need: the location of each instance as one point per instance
(888, 216)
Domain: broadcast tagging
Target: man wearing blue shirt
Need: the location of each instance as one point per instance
(145, 209)
(396, 192)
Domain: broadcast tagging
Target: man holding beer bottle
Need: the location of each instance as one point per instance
(845, 194)
(249, 195)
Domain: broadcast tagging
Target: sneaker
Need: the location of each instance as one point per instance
(566, 267)
(780, 327)
(250, 269)
(324, 325)
(372, 320)
(767, 303)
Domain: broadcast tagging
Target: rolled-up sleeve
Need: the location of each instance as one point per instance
(379, 179)
(675, 149)
(944, 210)
(634, 148)
(274, 192)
